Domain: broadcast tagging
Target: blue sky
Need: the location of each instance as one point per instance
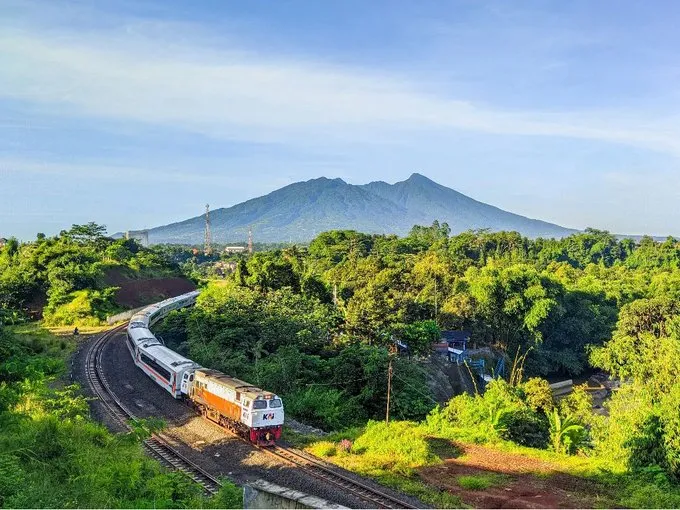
(136, 113)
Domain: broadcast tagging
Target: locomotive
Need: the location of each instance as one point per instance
(243, 408)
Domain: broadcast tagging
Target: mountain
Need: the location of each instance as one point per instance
(298, 212)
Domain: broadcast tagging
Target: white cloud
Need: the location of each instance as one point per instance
(247, 96)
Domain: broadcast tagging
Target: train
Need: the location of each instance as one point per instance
(241, 407)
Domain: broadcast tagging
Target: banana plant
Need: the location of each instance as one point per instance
(566, 433)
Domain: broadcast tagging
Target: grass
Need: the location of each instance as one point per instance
(53, 456)
(390, 454)
(85, 330)
(480, 482)
(42, 341)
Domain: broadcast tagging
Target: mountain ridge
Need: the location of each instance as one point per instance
(299, 211)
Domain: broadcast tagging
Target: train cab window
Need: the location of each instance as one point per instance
(260, 404)
(191, 377)
(275, 402)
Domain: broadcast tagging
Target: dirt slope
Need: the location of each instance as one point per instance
(133, 293)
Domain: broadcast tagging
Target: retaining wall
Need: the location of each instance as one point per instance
(261, 494)
(123, 316)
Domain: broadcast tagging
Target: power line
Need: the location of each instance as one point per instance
(416, 389)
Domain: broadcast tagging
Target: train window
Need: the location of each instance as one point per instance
(163, 372)
(191, 377)
(275, 402)
(238, 396)
(260, 404)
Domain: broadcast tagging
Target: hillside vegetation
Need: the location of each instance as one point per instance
(316, 326)
(65, 279)
(52, 455)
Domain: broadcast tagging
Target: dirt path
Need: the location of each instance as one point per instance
(512, 481)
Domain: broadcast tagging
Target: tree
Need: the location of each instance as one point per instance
(88, 233)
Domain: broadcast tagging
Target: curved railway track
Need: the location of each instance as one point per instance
(319, 470)
(155, 446)
(164, 452)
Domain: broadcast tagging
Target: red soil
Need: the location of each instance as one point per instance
(527, 482)
(136, 293)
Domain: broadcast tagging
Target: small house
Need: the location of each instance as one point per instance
(235, 249)
(457, 344)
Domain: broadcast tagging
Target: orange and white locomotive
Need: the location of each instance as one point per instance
(237, 405)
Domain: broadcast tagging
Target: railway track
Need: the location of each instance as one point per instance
(166, 454)
(154, 446)
(319, 470)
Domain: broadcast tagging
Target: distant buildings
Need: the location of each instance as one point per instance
(223, 269)
(235, 249)
(139, 235)
(456, 342)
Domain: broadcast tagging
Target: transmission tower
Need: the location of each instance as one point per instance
(250, 240)
(207, 249)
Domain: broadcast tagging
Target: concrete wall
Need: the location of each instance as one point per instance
(123, 316)
(261, 494)
(562, 388)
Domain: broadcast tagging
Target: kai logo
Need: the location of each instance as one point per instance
(268, 416)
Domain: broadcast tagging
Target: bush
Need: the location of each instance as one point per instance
(538, 394)
(526, 428)
(82, 308)
(323, 449)
(399, 446)
(647, 447)
(566, 433)
(320, 406)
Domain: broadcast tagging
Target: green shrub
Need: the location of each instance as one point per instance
(538, 394)
(647, 447)
(526, 428)
(323, 449)
(82, 308)
(320, 406)
(566, 433)
(399, 445)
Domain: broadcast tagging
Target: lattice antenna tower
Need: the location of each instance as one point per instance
(207, 248)
(250, 240)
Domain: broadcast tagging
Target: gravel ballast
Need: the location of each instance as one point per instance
(203, 442)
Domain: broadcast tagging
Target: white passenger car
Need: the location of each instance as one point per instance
(137, 337)
(165, 367)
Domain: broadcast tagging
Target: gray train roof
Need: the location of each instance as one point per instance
(168, 357)
(142, 335)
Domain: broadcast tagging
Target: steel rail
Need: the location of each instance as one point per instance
(155, 446)
(162, 451)
(318, 469)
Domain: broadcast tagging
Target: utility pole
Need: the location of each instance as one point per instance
(207, 249)
(250, 240)
(389, 390)
(335, 295)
